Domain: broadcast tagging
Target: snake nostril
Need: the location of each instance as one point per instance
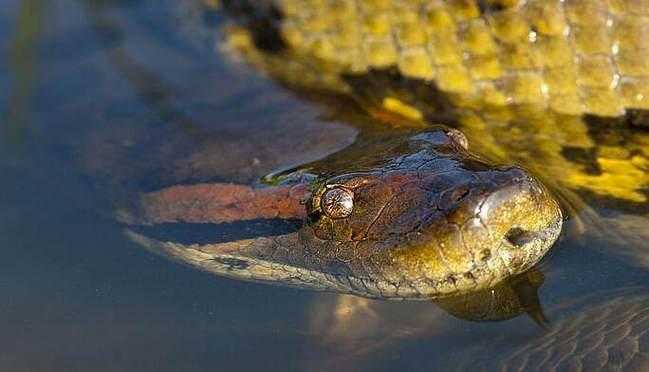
(485, 254)
(519, 237)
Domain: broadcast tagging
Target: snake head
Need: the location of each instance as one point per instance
(415, 216)
(434, 220)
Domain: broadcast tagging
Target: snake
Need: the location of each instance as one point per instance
(417, 216)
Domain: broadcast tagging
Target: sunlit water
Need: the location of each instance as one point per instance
(102, 99)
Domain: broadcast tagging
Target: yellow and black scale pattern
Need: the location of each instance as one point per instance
(551, 84)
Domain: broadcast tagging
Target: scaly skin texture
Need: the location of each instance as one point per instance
(428, 220)
(609, 336)
(524, 80)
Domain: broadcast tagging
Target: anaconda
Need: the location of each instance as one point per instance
(405, 214)
(610, 318)
(524, 90)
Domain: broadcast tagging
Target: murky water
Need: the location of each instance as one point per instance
(103, 98)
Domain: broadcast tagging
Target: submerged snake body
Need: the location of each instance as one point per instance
(612, 335)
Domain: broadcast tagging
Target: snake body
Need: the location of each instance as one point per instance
(554, 80)
(610, 335)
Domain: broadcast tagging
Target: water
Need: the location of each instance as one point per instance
(98, 97)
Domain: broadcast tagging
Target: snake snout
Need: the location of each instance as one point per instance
(497, 223)
(521, 216)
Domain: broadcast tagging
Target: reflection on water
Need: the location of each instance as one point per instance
(134, 98)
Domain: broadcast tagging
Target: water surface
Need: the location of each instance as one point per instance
(103, 98)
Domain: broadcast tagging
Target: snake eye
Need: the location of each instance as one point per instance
(458, 137)
(337, 202)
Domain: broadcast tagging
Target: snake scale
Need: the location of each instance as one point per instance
(555, 80)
